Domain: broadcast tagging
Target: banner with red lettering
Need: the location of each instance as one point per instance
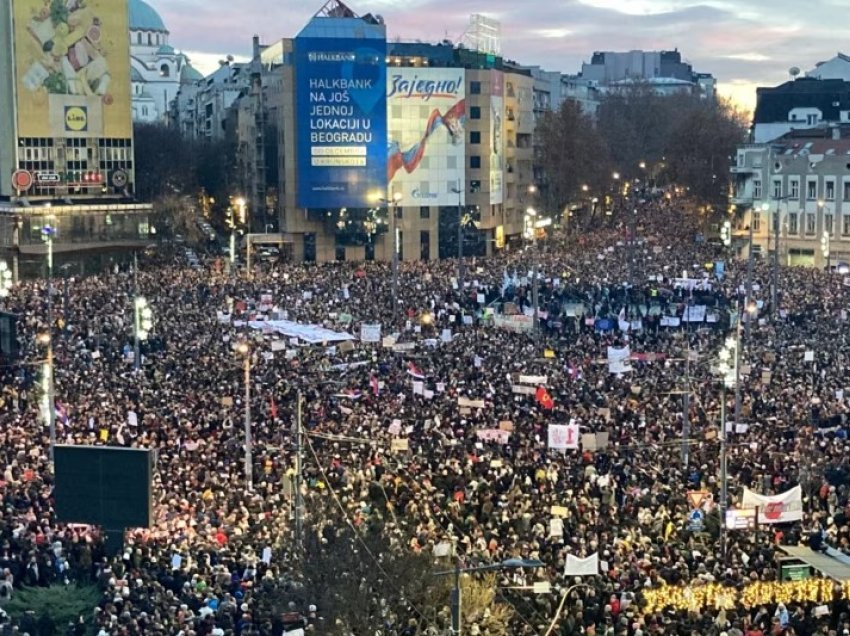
(563, 436)
(781, 508)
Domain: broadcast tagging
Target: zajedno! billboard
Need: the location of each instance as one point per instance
(72, 68)
(427, 113)
(341, 118)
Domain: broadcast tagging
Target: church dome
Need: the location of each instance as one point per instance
(190, 75)
(144, 17)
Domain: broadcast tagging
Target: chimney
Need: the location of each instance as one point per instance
(256, 42)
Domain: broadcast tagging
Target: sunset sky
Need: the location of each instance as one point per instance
(744, 44)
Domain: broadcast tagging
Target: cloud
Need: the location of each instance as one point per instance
(741, 45)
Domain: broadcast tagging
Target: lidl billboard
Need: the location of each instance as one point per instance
(341, 110)
(72, 68)
(427, 115)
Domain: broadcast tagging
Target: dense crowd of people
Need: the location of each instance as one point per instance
(218, 551)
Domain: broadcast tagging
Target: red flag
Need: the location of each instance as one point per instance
(543, 398)
(412, 370)
(273, 408)
(373, 382)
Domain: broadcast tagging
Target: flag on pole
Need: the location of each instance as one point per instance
(272, 408)
(61, 412)
(373, 382)
(543, 398)
(413, 371)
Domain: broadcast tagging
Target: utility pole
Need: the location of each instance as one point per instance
(535, 286)
(460, 267)
(724, 484)
(137, 362)
(299, 502)
(48, 233)
(777, 224)
(749, 299)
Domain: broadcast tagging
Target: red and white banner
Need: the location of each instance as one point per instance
(563, 436)
(781, 508)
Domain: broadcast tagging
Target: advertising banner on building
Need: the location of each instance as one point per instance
(497, 146)
(72, 63)
(427, 116)
(341, 115)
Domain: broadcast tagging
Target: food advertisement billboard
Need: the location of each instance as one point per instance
(341, 115)
(72, 68)
(427, 149)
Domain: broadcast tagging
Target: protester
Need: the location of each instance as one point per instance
(217, 547)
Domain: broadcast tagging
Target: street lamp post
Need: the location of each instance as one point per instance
(824, 240)
(48, 232)
(245, 351)
(508, 564)
(729, 375)
(460, 268)
(392, 205)
(5, 279)
(531, 215)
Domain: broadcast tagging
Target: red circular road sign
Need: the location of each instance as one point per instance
(22, 180)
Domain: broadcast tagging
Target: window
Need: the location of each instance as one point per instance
(793, 227)
(830, 191)
(475, 112)
(474, 186)
(757, 189)
(827, 223)
(150, 40)
(845, 229)
(756, 221)
(474, 161)
(811, 190)
(847, 191)
(794, 189)
(811, 120)
(474, 137)
(424, 212)
(164, 71)
(475, 88)
(777, 188)
(138, 38)
(810, 223)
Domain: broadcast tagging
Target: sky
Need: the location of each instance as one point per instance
(744, 43)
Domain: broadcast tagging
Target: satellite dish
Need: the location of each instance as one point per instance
(794, 71)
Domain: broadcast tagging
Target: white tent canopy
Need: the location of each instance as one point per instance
(312, 334)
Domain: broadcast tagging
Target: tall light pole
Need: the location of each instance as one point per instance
(47, 234)
(460, 269)
(392, 205)
(507, 564)
(142, 324)
(728, 369)
(824, 239)
(245, 351)
(5, 279)
(531, 229)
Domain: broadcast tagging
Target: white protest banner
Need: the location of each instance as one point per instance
(370, 333)
(446, 335)
(418, 387)
(278, 345)
(522, 389)
(589, 566)
(519, 323)
(670, 321)
(618, 359)
(556, 527)
(809, 356)
(539, 380)
(443, 549)
(695, 313)
(493, 435)
(395, 427)
(470, 404)
(399, 445)
(388, 342)
(781, 508)
(588, 442)
(563, 436)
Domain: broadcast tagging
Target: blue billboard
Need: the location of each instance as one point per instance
(341, 118)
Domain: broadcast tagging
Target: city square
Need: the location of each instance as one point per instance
(410, 339)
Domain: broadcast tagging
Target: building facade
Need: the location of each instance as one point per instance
(66, 138)
(608, 71)
(435, 132)
(800, 104)
(795, 194)
(157, 69)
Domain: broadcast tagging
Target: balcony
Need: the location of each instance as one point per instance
(745, 200)
(744, 169)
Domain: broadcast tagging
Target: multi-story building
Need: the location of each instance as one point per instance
(803, 103)
(66, 137)
(795, 195)
(433, 131)
(837, 67)
(157, 69)
(200, 109)
(608, 71)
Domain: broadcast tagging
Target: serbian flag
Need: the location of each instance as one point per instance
(543, 398)
(373, 382)
(413, 371)
(349, 394)
(273, 408)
